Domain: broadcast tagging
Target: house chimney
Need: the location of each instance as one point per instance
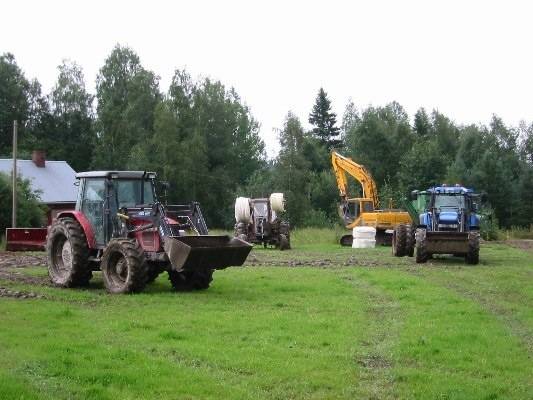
(39, 158)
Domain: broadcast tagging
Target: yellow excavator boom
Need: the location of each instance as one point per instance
(343, 165)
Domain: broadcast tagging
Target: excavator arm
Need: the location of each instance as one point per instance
(344, 165)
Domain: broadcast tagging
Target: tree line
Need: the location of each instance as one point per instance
(201, 137)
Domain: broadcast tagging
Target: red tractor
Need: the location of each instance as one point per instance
(121, 228)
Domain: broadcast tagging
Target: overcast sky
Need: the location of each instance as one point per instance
(468, 59)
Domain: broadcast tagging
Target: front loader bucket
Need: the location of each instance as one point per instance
(447, 242)
(206, 252)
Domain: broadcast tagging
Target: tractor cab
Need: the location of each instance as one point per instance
(450, 208)
(103, 194)
(263, 215)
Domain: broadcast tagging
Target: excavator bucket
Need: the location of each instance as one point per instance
(206, 252)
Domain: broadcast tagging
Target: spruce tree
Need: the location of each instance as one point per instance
(324, 121)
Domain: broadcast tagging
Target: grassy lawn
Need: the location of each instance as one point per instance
(316, 322)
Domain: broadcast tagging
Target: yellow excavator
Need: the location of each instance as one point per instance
(364, 211)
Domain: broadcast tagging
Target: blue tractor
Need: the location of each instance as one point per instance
(446, 223)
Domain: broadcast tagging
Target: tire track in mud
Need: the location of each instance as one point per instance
(374, 355)
(334, 261)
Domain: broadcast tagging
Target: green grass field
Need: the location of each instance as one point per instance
(316, 322)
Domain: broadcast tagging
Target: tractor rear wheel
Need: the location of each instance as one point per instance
(187, 281)
(284, 243)
(421, 252)
(472, 257)
(399, 241)
(68, 254)
(123, 266)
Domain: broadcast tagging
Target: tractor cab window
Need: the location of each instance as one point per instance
(133, 192)
(449, 201)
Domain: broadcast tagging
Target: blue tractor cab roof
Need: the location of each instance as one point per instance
(450, 190)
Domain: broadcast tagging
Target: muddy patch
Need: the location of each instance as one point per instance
(19, 294)
(15, 276)
(259, 260)
(523, 244)
(21, 260)
(12, 263)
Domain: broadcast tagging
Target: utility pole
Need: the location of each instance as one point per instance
(14, 211)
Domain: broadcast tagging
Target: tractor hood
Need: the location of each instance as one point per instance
(448, 217)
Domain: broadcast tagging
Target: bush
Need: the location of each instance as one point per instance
(316, 219)
(517, 232)
(30, 213)
(489, 225)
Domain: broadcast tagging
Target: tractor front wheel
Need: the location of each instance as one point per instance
(152, 272)
(68, 254)
(123, 266)
(472, 257)
(421, 249)
(187, 281)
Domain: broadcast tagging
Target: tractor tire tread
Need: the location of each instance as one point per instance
(472, 257)
(421, 252)
(137, 270)
(80, 274)
(284, 242)
(152, 271)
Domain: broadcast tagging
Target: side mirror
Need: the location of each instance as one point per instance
(414, 195)
(165, 185)
(475, 207)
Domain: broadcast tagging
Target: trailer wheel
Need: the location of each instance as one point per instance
(410, 240)
(472, 257)
(399, 241)
(421, 252)
(68, 254)
(123, 266)
(187, 281)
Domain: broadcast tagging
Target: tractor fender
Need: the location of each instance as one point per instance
(85, 224)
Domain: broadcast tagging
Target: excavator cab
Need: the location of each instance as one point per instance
(351, 209)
